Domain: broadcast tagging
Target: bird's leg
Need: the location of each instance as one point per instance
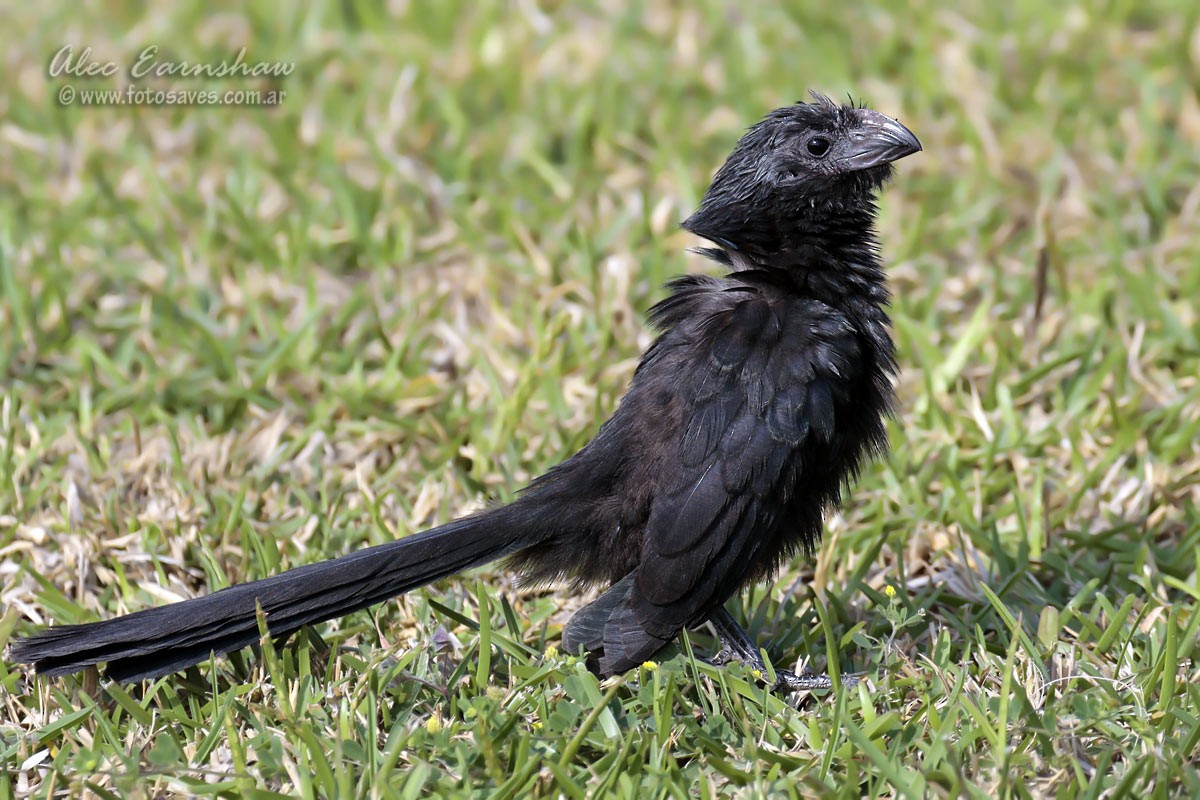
(736, 645)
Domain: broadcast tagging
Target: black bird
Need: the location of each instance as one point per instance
(760, 399)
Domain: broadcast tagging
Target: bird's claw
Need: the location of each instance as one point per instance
(723, 657)
(737, 647)
(787, 682)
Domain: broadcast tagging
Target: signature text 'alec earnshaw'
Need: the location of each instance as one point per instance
(66, 63)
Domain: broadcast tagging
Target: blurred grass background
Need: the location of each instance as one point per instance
(235, 340)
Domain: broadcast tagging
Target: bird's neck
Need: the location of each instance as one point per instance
(821, 246)
(839, 267)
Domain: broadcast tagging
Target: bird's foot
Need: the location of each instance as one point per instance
(738, 648)
(787, 681)
(723, 657)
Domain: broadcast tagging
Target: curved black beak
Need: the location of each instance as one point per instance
(879, 140)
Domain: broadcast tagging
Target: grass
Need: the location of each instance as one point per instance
(235, 340)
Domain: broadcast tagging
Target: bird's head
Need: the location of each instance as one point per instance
(804, 170)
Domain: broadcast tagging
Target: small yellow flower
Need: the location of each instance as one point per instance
(889, 590)
(434, 723)
(551, 652)
(650, 666)
(537, 725)
(757, 673)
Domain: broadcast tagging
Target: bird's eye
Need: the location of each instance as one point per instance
(818, 146)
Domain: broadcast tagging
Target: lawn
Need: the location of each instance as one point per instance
(239, 339)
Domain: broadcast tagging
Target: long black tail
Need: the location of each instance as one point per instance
(159, 641)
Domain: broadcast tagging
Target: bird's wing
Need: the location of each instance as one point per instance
(761, 394)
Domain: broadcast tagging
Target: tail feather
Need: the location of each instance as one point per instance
(609, 631)
(162, 640)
